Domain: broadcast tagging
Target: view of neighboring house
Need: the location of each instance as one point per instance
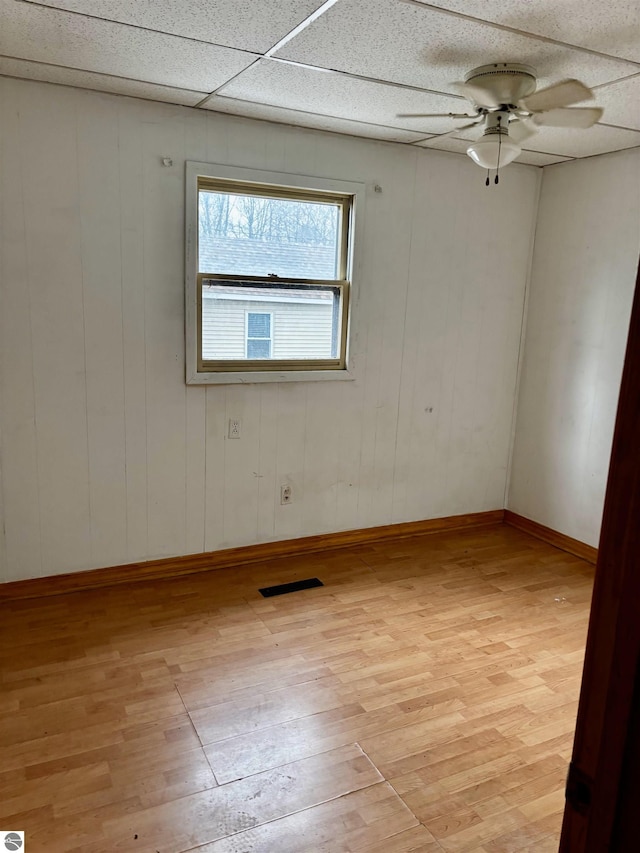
(278, 321)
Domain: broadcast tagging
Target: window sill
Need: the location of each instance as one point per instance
(251, 377)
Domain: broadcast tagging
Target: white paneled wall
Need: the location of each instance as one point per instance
(583, 277)
(108, 457)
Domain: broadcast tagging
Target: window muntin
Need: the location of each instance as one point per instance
(276, 250)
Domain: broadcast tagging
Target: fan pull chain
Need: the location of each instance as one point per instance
(487, 182)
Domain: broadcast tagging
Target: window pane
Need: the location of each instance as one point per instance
(258, 349)
(252, 235)
(259, 325)
(305, 321)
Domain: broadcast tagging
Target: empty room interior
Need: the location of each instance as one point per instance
(313, 321)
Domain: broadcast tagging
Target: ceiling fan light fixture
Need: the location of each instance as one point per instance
(490, 152)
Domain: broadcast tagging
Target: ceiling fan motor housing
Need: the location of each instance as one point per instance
(504, 82)
(497, 123)
(494, 148)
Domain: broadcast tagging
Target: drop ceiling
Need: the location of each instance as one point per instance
(348, 66)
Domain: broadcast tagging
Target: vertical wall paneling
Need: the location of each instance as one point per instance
(195, 473)
(99, 217)
(372, 306)
(214, 466)
(107, 456)
(320, 472)
(347, 406)
(195, 145)
(18, 439)
(521, 339)
(462, 316)
(134, 357)
(163, 197)
(392, 234)
(490, 325)
(348, 412)
(421, 406)
(291, 401)
(242, 466)
(582, 283)
(49, 166)
(268, 489)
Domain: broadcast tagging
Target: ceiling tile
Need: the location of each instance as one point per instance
(392, 40)
(302, 119)
(329, 93)
(611, 27)
(536, 158)
(459, 146)
(62, 38)
(621, 102)
(98, 82)
(598, 139)
(242, 24)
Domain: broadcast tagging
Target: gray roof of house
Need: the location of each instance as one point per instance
(237, 256)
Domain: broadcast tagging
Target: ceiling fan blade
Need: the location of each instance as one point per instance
(476, 94)
(521, 129)
(568, 117)
(560, 95)
(434, 115)
(460, 129)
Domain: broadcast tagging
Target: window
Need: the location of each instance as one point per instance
(268, 276)
(258, 335)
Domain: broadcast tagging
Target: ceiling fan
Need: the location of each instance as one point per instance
(507, 104)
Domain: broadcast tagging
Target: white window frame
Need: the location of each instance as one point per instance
(194, 374)
(269, 314)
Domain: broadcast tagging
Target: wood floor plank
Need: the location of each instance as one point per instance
(235, 758)
(467, 836)
(58, 789)
(417, 840)
(373, 819)
(262, 710)
(201, 685)
(422, 700)
(229, 809)
(528, 838)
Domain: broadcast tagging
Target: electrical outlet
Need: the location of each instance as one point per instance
(285, 494)
(234, 428)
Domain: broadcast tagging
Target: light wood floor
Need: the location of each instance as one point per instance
(423, 700)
